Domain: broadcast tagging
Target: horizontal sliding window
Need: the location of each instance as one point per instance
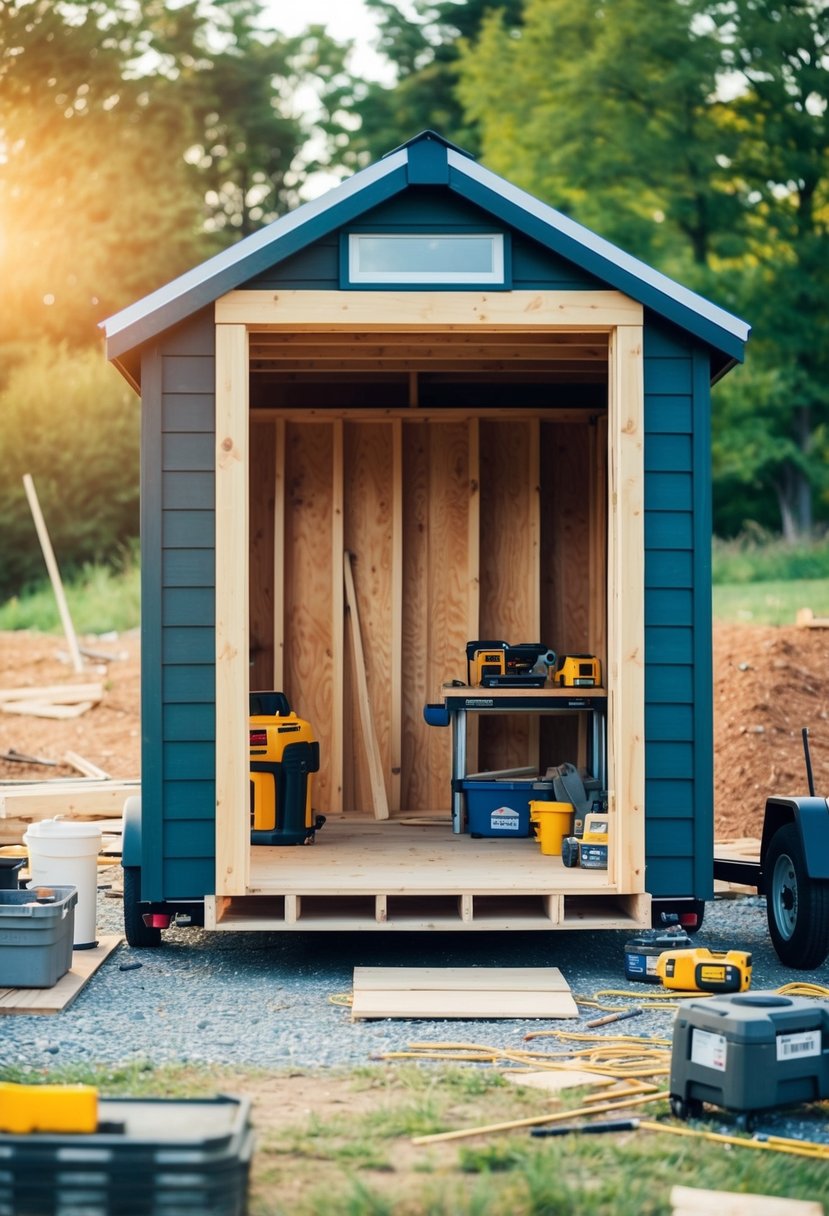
(426, 257)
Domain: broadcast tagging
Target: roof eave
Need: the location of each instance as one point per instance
(710, 323)
(205, 283)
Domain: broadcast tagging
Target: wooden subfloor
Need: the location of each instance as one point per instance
(362, 857)
(419, 875)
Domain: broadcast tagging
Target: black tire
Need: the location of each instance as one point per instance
(797, 906)
(136, 932)
(685, 1108)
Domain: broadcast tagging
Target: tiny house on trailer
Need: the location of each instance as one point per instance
(423, 409)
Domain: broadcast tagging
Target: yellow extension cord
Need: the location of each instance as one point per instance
(635, 1059)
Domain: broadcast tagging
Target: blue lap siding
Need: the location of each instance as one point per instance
(178, 614)
(678, 725)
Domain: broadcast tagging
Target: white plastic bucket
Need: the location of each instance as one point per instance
(64, 853)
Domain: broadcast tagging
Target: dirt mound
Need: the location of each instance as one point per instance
(768, 683)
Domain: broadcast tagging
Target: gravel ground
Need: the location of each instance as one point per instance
(262, 999)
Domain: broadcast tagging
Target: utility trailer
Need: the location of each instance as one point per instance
(500, 424)
(792, 873)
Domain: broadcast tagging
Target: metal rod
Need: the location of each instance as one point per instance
(809, 775)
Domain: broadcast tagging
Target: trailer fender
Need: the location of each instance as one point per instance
(811, 817)
(131, 840)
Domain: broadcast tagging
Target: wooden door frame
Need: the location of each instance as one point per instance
(606, 312)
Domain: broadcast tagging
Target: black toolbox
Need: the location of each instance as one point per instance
(151, 1157)
(749, 1051)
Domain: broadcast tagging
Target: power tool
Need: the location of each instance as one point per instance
(577, 671)
(701, 970)
(499, 665)
(283, 754)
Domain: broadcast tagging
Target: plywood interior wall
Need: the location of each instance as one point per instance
(460, 527)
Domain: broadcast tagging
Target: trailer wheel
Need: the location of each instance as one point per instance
(136, 932)
(685, 1108)
(797, 905)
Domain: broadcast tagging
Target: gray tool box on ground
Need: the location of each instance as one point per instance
(150, 1157)
(36, 936)
(749, 1051)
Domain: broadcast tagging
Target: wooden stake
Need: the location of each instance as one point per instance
(54, 573)
(538, 1120)
(379, 797)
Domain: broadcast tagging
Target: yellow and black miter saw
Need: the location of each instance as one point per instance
(499, 665)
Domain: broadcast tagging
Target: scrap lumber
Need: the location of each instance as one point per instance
(54, 573)
(55, 694)
(21, 758)
(45, 709)
(806, 619)
(693, 1201)
(379, 798)
(85, 766)
(82, 799)
(461, 992)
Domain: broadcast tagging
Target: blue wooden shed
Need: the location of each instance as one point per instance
(423, 409)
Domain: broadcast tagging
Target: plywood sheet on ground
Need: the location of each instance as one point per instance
(51, 1000)
(461, 992)
(552, 1080)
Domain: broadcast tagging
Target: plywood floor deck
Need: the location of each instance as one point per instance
(419, 875)
(363, 857)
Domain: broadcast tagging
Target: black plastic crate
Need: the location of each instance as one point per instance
(173, 1158)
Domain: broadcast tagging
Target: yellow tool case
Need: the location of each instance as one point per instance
(283, 755)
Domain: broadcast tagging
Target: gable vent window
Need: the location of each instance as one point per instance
(426, 257)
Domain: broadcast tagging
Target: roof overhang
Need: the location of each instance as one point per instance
(426, 160)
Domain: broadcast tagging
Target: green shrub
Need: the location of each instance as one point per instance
(72, 423)
(757, 558)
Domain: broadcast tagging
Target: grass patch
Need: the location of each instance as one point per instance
(757, 558)
(769, 603)
(339, 1144)
(101, 599)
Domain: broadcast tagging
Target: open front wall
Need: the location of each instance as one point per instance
(494, 520)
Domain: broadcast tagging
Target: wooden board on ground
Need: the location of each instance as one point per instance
(461, 992)
(745, 848)
(52, 1000)
(691, 1201)
(84, 798)
(552, 1080)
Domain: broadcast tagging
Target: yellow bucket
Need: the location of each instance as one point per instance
(553, 821)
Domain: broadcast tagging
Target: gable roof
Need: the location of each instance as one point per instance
(428, 159)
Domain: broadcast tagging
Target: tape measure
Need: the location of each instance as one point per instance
(701, 970)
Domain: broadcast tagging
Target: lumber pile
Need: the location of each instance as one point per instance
(52, 701)
(806, 619)
(84, 799)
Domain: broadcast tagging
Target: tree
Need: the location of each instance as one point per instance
(95, 208)
(780, 54)
(692, 132)
(72, 422)
(424, 49)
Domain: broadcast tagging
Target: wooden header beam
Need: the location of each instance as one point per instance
(468, 311)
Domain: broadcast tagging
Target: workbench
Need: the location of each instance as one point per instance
(460, 700)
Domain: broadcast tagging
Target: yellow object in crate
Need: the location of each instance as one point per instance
(283, 755)
(553, 821)
(47, 1108)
